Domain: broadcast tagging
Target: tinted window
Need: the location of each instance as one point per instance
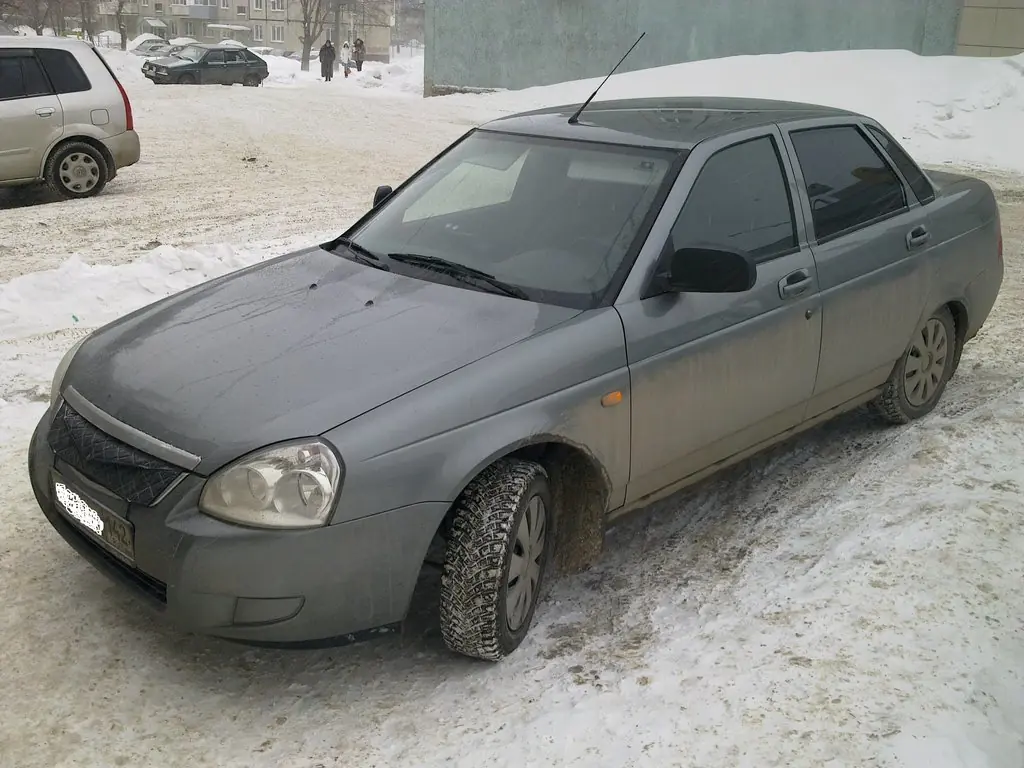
(921, 186)
(20, 77)
(252, 57)
(64, 72)
(848, 182)
(740, 200)
(214, 57)
(234, 57)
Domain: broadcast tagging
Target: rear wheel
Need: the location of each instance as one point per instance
(496, 558)
(187, 80)
(920, 378)
(251, 81)
(76, 170)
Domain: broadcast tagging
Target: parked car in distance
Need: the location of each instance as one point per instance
(64, 118)
(145, 45)
(156, 51)
(208, 64)
(556, 321)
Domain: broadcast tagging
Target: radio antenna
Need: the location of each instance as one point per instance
(576, 117)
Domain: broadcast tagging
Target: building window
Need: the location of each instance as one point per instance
(277, 5)
(257, 5)
(241, 10)
(277, 33)
(257, 32)
(158, 7)
(145, 3)
(225, 4)
(190, 29)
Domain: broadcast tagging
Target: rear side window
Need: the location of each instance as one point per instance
(848, 183)
(915, 178)
(63, 70)
(21, 77)
(740, 201)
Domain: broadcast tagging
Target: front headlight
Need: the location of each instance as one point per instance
(62, 369)
(286, 486)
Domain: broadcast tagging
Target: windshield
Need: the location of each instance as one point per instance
(555, 219)
(191, 53)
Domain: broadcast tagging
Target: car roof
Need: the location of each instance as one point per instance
(43, 41)
(672, 123)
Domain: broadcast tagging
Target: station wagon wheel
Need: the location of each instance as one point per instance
(76, 170)
(496, 558)
(920, 378)
(187, 79)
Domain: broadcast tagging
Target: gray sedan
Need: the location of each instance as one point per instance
(551, 324)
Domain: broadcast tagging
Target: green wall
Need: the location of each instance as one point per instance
(519, 43)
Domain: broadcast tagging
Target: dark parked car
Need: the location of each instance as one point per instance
(144, 48)
(208, 64)
(554, 323)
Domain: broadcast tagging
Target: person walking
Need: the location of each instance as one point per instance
(346, 57)
(359, 51)
(327, 57)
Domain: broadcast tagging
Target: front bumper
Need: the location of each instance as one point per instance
(158, 77)
(258, 586)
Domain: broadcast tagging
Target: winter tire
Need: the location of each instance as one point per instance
(251, 81)
(496, 558)
(187, 80)
(76, 170)
(920, 378)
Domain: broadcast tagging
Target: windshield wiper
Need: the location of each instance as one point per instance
(362, 255)
(459, 272)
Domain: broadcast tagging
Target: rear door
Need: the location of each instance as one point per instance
(713, 375)
(83, 105)
(234, 67)
(31, 119)
(870, 241)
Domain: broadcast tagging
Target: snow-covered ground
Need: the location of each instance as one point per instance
(851, 598)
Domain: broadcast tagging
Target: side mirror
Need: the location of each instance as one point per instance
(383, 193)
(711, 270)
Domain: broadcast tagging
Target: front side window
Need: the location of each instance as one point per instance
(848, 183)
(214, 57)
(64, 70)
(740, 201)
(555, 219)
(914, 176)
(190, 53)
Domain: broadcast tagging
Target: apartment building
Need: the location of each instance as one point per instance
(991, 28)
(271, 23)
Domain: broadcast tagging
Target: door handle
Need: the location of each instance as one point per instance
(918, 236)
(794, 283)
(45, 111)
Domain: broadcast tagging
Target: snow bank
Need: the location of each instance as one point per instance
(90, 295)
(127, 66)
(947, 108)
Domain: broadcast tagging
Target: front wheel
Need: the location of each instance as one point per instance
(920, 378)
(497, 555)
(187, 80)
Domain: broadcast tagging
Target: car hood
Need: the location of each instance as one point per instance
(170, 61)
(289, 348)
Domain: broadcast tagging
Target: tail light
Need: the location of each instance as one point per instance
(129, 119)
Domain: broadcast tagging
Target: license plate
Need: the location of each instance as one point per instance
(118, 534)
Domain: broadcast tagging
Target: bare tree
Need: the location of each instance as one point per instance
(314, 18)
(33, 13)
(122, 28)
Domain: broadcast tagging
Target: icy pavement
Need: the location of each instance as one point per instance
(851, 598)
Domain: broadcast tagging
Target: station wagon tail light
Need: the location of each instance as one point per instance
(285, 486)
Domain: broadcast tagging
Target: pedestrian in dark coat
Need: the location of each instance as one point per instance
(327, 57)
(359, 52)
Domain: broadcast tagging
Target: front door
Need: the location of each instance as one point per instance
(31, 118)
(870, 242)
(213, 68)
(712, 375)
